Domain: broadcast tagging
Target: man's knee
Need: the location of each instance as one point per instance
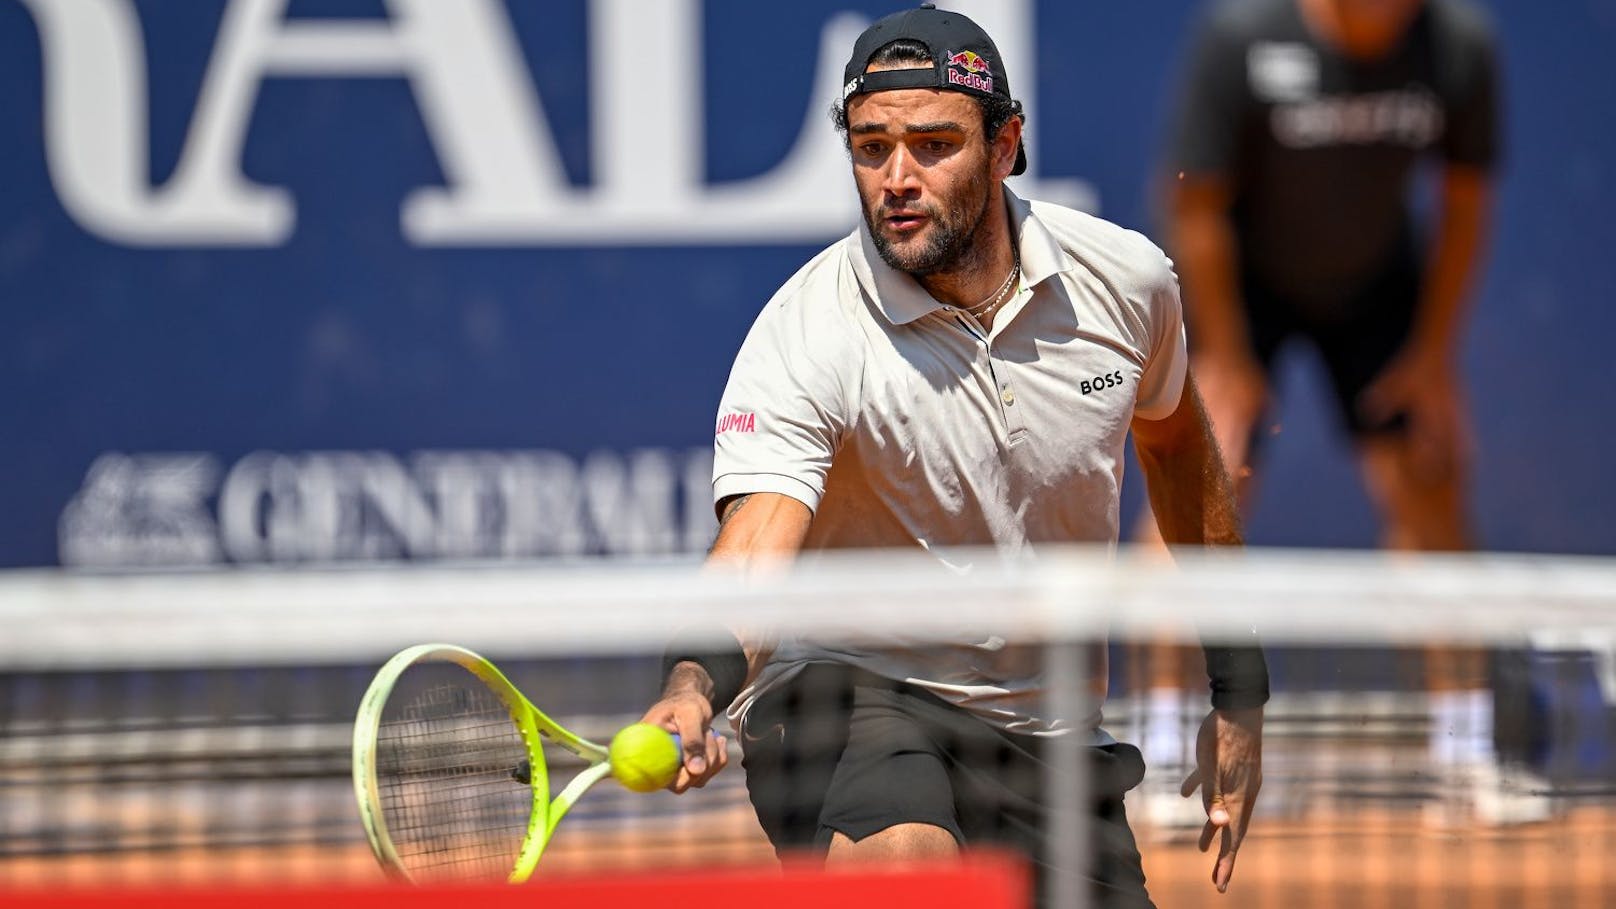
(900, 842)
(1419, 511)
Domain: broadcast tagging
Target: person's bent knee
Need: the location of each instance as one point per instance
(900, 842)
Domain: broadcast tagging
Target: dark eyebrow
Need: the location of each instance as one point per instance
(941, 126)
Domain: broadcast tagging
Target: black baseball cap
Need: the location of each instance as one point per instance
(964, 59)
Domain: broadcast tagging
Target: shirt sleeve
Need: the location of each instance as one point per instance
(1211, 102)
(782, 415)
(1162, 383)
(1471, 135)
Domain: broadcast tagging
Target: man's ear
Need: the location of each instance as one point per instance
(1005, 145)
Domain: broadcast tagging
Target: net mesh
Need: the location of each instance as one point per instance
(1441, 731)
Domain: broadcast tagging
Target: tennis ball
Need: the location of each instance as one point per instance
(644, 757)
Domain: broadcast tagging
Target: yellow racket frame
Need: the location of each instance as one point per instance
(531, 722)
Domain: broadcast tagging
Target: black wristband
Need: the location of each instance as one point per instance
(725, 662)
(1239, 677)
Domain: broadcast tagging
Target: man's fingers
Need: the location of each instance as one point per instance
(1229, 847)
(1207, 832)
(1191, 783)
(1379, 402)
(1392, 393)
(690, 723)
(715, 758)
(1223, 870)
(693, 739)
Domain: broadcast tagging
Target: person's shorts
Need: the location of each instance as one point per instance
(1357, 336)
(840, 750)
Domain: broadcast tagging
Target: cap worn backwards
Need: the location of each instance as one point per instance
(964, 59)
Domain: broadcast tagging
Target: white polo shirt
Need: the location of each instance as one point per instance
(900, 422)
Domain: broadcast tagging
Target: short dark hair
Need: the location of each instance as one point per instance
(996, 109)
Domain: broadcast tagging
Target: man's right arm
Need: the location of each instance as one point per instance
(758, 529)
(756, 532)
(1204, 151)
(1206, 253)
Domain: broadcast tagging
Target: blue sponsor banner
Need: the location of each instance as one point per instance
(299, 281)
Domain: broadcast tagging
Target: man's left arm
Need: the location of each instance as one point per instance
(1423, 381)
(1193, 501)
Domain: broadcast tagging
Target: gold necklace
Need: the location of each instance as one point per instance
(999, 296)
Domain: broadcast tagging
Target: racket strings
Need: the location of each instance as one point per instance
(444, 763)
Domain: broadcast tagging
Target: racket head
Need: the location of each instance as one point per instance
(438, 736)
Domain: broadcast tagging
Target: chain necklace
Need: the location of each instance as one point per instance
(986, 307)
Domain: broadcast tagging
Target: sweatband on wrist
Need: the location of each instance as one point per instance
(716, 650)
(1239, 677)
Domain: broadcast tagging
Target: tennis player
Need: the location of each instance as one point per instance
(961, 371)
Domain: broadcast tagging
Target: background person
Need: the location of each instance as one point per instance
(1292, 166)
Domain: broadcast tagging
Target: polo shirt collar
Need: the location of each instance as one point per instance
(901, 298)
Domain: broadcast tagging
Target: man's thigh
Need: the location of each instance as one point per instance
(791, 741)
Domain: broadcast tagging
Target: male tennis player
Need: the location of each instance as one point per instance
(1301, 127)
(963, 370)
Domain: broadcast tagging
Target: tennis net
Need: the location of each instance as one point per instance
(1442, 729)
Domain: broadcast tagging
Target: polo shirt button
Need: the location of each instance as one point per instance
(1009, 396)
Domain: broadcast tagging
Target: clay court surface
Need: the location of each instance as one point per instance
(1383, 859)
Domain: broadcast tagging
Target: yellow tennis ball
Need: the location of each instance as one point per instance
(644, 757)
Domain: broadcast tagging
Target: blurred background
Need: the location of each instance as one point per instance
(333, 283)
(292, 306)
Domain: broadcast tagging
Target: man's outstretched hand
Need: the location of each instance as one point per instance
(1228, 757)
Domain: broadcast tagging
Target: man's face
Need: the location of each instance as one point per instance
(1373, 27)
(924, 174)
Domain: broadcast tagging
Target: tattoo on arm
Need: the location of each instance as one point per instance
(730, 508)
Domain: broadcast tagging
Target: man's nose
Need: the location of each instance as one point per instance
(900, 177)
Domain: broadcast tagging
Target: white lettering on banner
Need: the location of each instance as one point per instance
(142, 510)
(505, 181)
(148, 510)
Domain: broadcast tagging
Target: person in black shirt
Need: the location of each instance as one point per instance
(1292, 168)
(1301, 130)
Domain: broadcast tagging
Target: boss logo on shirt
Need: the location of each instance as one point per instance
(737, 422)
(1101, 383)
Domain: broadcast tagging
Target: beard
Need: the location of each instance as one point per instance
(952, 228)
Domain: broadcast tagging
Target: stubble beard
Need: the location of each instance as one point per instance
(951, 245)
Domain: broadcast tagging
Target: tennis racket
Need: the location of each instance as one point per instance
(449, 770)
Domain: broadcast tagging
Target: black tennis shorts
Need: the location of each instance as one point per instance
(1357, 334)
(838, 749)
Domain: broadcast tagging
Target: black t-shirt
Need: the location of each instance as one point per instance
(1320, 148)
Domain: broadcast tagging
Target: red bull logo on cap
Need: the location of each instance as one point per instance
(968, 60)
(976, 71)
